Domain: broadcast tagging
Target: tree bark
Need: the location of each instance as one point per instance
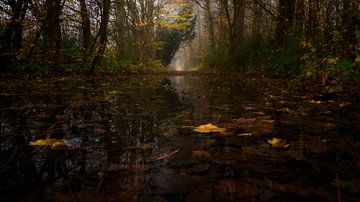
(53, 37)
(86, 32)
(284, 24)
(210, 23)
(12, 38)
(102, 34)
(257, 19)
(299, 18)
(312, 23)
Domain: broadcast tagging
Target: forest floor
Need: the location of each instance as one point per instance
(176, 136)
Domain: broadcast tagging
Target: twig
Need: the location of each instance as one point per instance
(163, 156)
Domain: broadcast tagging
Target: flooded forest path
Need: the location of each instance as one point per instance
(176, 137)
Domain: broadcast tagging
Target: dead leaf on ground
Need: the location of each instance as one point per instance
(284, 110)
(201, 153)
(209, 128)
(315, 102)
(244, 134)
(52, 143)
(277, 142)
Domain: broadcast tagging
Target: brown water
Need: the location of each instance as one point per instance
(133, 139)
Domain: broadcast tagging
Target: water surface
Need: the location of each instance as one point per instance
(133, 139)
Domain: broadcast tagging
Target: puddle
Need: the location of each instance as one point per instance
(175, 138)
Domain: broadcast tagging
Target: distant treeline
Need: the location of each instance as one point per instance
(81, 35)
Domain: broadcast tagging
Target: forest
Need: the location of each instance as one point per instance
(180, 100)
(312, 39)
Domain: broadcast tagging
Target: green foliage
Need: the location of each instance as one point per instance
(328, 63)
(170, 35)
(252, 53)
(219, 58)
(285, 60)
(117, 64)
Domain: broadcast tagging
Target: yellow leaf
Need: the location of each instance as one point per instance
(357, 59)
(315, 102)
(245, 134)
(209, 128)
(332, 61)
(277, 142)
(200, 153)
(53, 143)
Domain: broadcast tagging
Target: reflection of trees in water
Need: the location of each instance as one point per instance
(194, 94)
(102, 135)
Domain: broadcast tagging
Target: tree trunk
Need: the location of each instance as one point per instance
(284, 24)
(53, 37)
(299, 18)
(86, 33)
(239, 20)
(102, 34)
(12, 38)
(210, 24)
(312, 24)
(121, 30)
(350, 23)
(257, 19)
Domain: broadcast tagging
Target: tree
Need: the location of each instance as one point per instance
(12, 37)
(285, 20)
(102, 34)
(86, 30)
(52, 32)
(171, 33)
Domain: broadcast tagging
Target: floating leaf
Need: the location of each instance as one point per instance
(245, 120)
(53, 143)
(277, 142)
(207, 142)
(284, 110)
(249, 108)
(315, 102)
(201, 153)
(259, 113)
(209, 128)
(244, 134)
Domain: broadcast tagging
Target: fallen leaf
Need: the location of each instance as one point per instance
(277, 142)
(315, 102)
(249, 108)
(209, 128)
(244, 134)
(207, 142)
(53, 143)
(201, 153)
(285, 110)
(245, 120)
(344, 104)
